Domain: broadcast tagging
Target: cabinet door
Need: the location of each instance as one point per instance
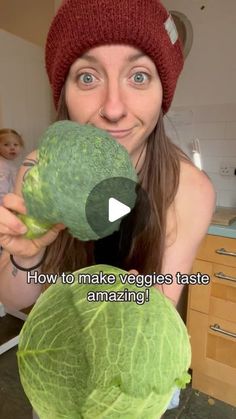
(213, 342)
(223, 293)
(217, 249)
(199, 295)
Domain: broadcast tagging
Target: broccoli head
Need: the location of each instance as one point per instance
(72, 159)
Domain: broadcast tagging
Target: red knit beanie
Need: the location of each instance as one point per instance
(145, 24)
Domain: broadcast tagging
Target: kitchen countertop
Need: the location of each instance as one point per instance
(224, 231)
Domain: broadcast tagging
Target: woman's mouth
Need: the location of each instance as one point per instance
(119, 133)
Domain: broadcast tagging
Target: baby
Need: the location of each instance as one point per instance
(11, 144)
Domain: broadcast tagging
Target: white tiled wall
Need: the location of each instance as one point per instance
(204, 106)
(215, 127)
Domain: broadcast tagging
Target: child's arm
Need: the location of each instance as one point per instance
(4, 181)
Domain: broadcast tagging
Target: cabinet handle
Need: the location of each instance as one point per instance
(217, 328)
(221, 275)
(222, 251)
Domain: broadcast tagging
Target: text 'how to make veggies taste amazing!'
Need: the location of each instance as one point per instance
(141, 282)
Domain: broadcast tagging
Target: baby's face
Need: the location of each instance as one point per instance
(10, 146)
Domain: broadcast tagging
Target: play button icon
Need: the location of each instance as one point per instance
(114, 201)
(117, 210)
(108, 202)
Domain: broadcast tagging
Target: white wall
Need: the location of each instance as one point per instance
(205, 100)
(25, 103)
(27, 19)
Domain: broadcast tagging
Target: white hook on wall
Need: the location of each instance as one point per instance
(197, 153)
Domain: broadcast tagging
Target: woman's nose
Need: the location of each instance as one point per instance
(113, 106)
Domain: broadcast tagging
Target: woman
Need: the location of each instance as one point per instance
(115, 65)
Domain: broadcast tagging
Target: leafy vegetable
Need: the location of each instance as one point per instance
(72, 160)
(107, 360)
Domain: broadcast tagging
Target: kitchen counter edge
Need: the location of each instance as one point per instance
(224, 231)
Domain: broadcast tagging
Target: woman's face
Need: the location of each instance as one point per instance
(124, 84)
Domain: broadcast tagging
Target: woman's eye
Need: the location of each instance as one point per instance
(140, 77)
(86, 78)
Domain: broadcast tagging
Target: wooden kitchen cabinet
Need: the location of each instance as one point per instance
(211, 320)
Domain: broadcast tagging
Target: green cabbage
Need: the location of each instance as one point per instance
(107, 360)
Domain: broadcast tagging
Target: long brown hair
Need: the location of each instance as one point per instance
(159, 177)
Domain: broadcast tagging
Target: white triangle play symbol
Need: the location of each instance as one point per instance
(116, 209)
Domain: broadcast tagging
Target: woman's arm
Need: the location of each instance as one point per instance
(187, 223)
(15, 292)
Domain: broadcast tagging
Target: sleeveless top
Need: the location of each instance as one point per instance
(113, 249)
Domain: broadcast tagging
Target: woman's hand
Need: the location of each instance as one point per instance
(12, 230)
